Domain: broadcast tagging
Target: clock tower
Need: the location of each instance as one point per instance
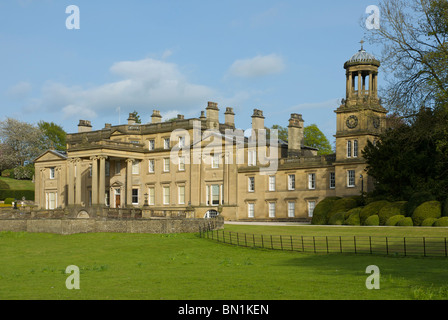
(360, 117)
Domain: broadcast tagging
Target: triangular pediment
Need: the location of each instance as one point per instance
(50, 155)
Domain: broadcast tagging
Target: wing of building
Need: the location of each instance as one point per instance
(206, 167)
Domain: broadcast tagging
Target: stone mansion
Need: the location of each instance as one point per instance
(215, 171)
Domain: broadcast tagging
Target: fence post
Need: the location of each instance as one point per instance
(271, 243)
(326, 239)
(303, 247)
(340, 243)
(370, 244)
(445, 248)
(253, 239)
(404, 245)
(262, 242)
(424, 247)
(314, 244)
(245, 239)
(387, 247)
(354, 241)
(237, 240)
(281, 242)
(292, 248)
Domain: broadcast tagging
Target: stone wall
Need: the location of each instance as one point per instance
(72, 226)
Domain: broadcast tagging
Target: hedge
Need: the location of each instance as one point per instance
(392, 221)
(428, 209)
(415, 200)
(372, 209)
(428, 222)
(372, 221)
(337, 218)
(321, 210)
(343, 204)
(17, 194)
(405, 222)
(353, 219)
(441, 222)
(9, 200)
(390, 210)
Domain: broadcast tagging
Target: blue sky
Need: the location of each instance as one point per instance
(281, 57)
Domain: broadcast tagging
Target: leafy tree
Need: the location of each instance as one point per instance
(54, 137)
(412, 157)
(313, 137)
(137, 117)
(282, 132)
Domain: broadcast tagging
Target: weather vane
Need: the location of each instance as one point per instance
(362, 43)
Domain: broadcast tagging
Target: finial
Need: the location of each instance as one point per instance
(362, 43)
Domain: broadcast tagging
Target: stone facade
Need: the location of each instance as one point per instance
(215, 170)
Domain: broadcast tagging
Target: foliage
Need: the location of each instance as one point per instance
(17, 194)
(353, 219)
(24, 172)
(411, 158)
(137, 117)
(8, 200)
(405, 222)
(282, 132)
(54, 136)
(371, 209)
(313, 137)
(428, 209)
(321, 211)
(391, 209)
(428, 222)
(415, 200)
(373, 220)
(343, 204)
(337, 218)
(441, 222)
(392, 221)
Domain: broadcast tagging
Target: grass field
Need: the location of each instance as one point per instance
(183, 266)
(13, 184)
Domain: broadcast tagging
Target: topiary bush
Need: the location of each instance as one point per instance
(371, 209)
(343, 204)
(372, 221)
(392, 221)
(415, 200)
(353, 219)
(390, 210)
(441, 222)
(428, 209)
(337, 218)
(445, 208)
(321, 210)
(428, 222)
(9, 200)
(405, 222)
(351, 211)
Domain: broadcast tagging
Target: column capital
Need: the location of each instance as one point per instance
(93, 158)
(130, 160)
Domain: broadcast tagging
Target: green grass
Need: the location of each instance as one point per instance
(13, 184)
(183, 266)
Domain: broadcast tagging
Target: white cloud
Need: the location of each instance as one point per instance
(147, 83)
(20, 89)
(258, 66)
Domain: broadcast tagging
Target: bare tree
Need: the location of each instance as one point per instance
(413, 34)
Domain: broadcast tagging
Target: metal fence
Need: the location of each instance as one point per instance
(402, 246)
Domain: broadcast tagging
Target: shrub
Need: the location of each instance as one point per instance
(351, 211)
(405, 222)
(372, 221)
(428, 209)
(428, 222)
(343, 204)
(9, 200)
(392, 221)
(372, 209)
(391, 209)
(353, 219)
(441, 222)
(24, 172)
(321, 211)
(8, 173)
(445, 208)
(17, 194)
(337, 218)
(415, 200)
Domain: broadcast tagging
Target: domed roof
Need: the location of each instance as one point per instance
(362, 56)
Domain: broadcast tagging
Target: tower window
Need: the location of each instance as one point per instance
(349, 149)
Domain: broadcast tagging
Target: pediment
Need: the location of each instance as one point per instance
(50, 155)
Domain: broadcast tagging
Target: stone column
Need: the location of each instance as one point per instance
(129, 182)
(371, 83)
(349, 84)
(359, 84)
(71, 182)
(78, 181)
(94, 180)
(42, 188)
(102, 182)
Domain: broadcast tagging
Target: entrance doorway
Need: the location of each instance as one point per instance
(117, 198)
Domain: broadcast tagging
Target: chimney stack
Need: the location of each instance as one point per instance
(295, 135)
(131, 119)
(156, 117)
(229, 117)
(84, 126)
(212, 115)
(257, 120)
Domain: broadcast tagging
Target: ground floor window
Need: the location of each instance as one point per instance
(311, 206)
(271, 209)
(350, 178)
(135, 196)
(291, 209)
(251, 210)
(51, 200)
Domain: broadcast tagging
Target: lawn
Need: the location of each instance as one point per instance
(183, 266)
(13, 184)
